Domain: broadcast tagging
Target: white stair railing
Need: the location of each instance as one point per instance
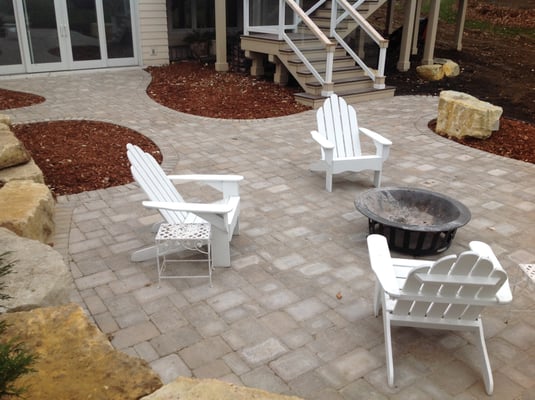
(259, 17)
(350, 11)
(297, 16)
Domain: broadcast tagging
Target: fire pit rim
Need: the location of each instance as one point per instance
(462, 219)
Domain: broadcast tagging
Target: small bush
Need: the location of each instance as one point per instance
(15, 359)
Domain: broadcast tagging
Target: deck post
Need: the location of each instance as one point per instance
(459, 26)
(416, 30)
(221, 64)
(406, 36)
(431, 34)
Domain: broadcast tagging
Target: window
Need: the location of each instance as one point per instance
(200, 14)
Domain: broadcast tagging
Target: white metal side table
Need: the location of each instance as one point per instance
(172, 238)
(522, 280)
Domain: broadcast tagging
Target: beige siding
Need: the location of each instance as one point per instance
(153, 32)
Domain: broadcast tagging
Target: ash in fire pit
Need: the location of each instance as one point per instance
(414, 221)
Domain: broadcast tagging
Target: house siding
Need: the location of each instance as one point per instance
(153, 32)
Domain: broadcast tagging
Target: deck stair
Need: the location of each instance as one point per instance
(348, 78)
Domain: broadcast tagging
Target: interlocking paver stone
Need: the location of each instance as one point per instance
(134, 334)
(204, 352)
(262, 352)
(272, 320)
(170, 367)
(291, 365)
(306, 309)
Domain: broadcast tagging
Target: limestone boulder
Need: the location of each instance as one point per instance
(433, 72)
(27, 209)
(450, 68)
(75, 359)
(39, 277)
(4, 119)
(209, 389)
(460, 115)
(29, 171)
(12, 151)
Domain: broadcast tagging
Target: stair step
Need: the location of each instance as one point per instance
(341, 85)
(352, 70)
(352, 97)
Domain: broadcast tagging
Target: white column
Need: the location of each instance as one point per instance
(389, 17)
(221, 36)
(459, 27)
(406, 36)
(416, 30)
(431, 34)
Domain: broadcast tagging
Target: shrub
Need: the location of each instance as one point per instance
(15, 359)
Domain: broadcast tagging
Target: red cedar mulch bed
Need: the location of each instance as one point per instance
(514, 139)
(77, 156)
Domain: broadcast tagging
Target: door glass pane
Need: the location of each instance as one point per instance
(118, 28)
(205, 14)
(42, 31)
(181, 14)
(83, 30)
(9, 38)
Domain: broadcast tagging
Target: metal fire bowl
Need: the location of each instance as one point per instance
(414, 221)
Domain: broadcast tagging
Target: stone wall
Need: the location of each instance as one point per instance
(26, 203)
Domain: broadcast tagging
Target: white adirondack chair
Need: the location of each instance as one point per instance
(338, 135)
(163, 195)
(449, 293)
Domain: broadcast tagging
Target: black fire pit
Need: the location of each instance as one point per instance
(414, 221)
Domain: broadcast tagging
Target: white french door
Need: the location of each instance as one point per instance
(54, 35)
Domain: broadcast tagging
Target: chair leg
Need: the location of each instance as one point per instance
(487, 370)
(328, 180)
(388, 350)
(220, 248)
(377, 178)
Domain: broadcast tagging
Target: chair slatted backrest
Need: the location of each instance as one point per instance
(452, 288)
(154, 182)
(337, 121)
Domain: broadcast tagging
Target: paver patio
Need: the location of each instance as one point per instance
(273, 320)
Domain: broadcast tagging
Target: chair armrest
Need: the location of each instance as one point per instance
(375, 136)
(382, 265)
(326, 144)
(213, 208)
(226, 184)
(503, 295)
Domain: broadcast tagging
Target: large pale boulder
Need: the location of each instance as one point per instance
(12, 151)
(75, 359)
(4, 119)
(210, 389)
(450, 68)
(460, 115)
(27, 208)
(29, 171)
(433, 72)
(39, 277)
